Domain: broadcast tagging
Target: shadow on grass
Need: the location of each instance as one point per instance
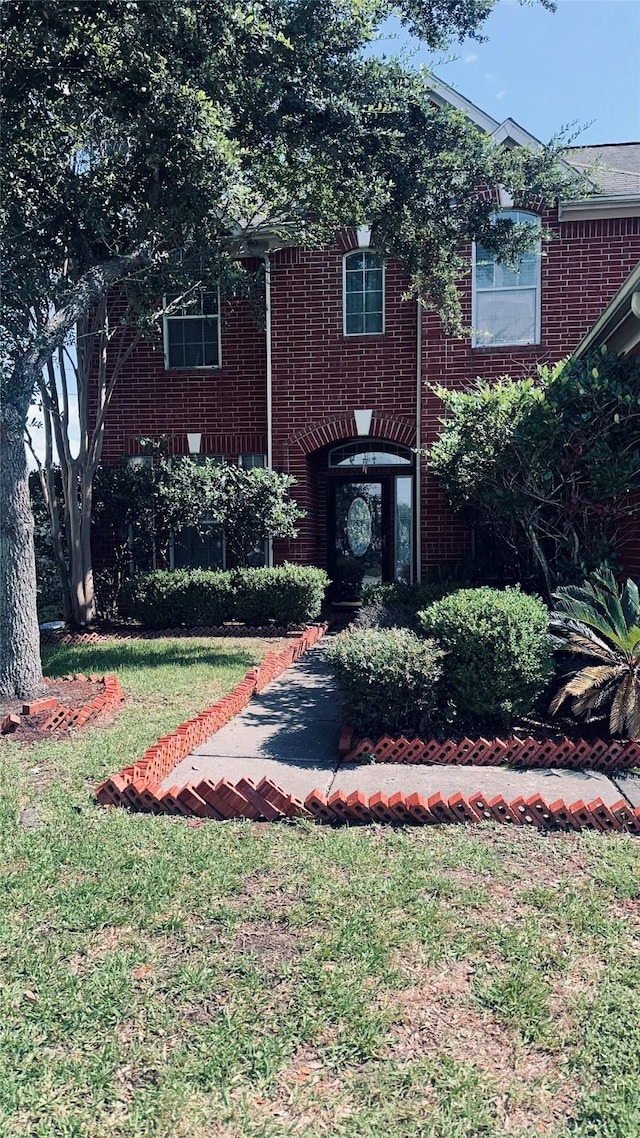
(57, 660)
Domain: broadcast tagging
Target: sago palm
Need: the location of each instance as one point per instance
(601, 623)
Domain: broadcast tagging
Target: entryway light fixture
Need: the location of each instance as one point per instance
(194, 439)
(363, 421)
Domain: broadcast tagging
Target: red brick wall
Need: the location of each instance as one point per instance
(582, 269)
(320, 376)
(227, 404)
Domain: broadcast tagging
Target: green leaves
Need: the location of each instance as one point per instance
(601, 621)
(547, 466)
(174, 122)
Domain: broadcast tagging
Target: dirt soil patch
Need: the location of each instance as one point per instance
(72, 694)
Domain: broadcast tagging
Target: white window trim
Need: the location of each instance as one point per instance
(193, 316)
(350, 253)
(477, 341)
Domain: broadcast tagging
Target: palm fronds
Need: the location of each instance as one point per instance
(600, 622)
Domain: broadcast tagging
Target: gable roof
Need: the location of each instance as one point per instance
(506, 131)
(617, 165)
(615, 179)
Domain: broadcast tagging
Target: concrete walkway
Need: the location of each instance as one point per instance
(289, 734)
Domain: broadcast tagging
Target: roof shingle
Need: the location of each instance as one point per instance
(616, 165)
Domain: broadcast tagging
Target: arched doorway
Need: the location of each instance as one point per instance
(370, 513)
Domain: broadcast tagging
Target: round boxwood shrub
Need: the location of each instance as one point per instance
(498, 655)
(388, 679)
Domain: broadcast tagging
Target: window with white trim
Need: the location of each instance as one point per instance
(363, 293)
(506, 301)
(252, 461)
(192, 332)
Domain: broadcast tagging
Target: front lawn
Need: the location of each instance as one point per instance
(271, 981)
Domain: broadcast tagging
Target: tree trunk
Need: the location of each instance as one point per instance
(20, 668)
(79, 503)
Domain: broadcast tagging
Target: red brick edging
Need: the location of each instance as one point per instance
(139, 785)
(417, 808)
(108, 699)
(570, 754)
(240, 631)
(63, 718)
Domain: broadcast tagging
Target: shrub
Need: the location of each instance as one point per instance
(498, 653)
(171, 598)
(388, 679)
(396, 605)
(289, 595)
(600, 624)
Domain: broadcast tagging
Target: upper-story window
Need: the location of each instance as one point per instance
(506, 301)
(363, 293)
(192, 333)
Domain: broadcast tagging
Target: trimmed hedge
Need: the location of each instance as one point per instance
(287, 595)
(388, 679)
(498, 655)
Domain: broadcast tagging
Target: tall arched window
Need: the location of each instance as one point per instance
(506, 301)
(363, 293)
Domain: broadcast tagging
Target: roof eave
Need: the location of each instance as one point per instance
(600, 205)
(619, 325)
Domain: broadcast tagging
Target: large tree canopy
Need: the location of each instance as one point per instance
(136, 128)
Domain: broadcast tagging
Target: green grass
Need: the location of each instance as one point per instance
(249, 981)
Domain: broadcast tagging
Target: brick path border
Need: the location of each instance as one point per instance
(138, 786)
(603, 755)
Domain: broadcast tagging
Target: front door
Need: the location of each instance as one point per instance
(371, 524)
(359, 534)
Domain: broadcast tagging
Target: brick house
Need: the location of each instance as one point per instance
(334, 387)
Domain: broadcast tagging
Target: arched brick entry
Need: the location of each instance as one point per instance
(323, 434)
(305, 456)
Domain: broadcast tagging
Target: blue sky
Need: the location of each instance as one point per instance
(546, 70)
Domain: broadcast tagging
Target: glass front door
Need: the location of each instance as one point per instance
(357, 549)
(371, 522)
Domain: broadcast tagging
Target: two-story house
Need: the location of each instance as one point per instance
(334, 387)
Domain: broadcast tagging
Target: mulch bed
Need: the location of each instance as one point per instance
(105, 633)
(78, 701)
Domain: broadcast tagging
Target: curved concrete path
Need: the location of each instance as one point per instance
(289, 733)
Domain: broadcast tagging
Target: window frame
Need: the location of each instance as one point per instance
(477, 340)
(383, 266)
(192, 316)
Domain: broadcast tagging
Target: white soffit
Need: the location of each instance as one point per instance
(443, 93)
